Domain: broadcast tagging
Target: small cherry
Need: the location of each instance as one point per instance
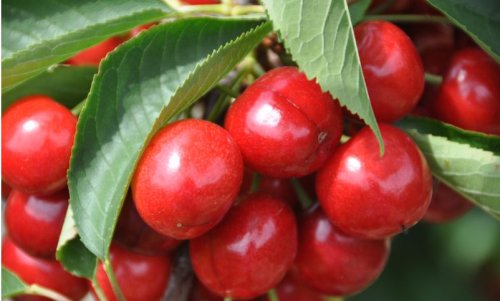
(133, 233)
(250, 251)
(469, 96)
(392, 68)
(292, 288)
(187, 178)
(284, 124)
(92, 56)
(369, 196)
(140, 277)
(335, 263)
(446, 204)
(44, 272)
(34, 223)
(37, 137)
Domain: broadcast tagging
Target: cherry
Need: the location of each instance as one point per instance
(392, 69)
(34, 223)
(334, 263)
(279, 188)
(250, 251)
(139, 276)
(44, 272)
(136, 235)
(369, 196)
(284, 124)
(200, 2)
(446, 204)
(469, 96)
(292, 288)
(187, 178)
(94, 54)
(201, 293)
(37, 137)
(137, 30)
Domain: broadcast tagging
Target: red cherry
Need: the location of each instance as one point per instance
(200, 2)
(292, 288)
(34, 223)
(470, 93)
(136, 235)
(187, 178)
(250, 251)
(392, 69)
(37, 137)
(284, 124)
(137, 30)
(334, 263)
(369, 196)
(44, 272)
(94, 54)
(139, 276)
(446, 204)
(279, 188)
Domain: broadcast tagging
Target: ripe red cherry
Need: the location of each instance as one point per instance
(446, 204)
(37, 136)
(392, 69)
(136, 235)
(94, 54)
(292, 288)
(334, 263)
(140, 277)
(44, 272)
(375, 197)
(470, 93)
(284, 124)
(34, 222)
(250, 251)
(187, 178)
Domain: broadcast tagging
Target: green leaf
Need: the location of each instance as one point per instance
(12, 285)
(139, 88)
(358, 9)
(72, 253)
(480, 19)
(473, 170)
(38, 34)
(320, 38)
(67, 85)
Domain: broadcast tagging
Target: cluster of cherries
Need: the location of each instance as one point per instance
(228, 191)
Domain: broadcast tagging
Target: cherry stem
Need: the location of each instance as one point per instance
(228, 91)
(76, 110)
(334, 299)
(272, 295)
(228, 299)
(98, 290)
(112, 279)
(408, 18)
(305, 200)
(35, 289)
(433, 79)
(222, 102)
(255, 182)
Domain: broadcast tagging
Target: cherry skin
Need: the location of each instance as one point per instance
(292, 288)
(44, 272)
(284, 124)
(93, 56)
(133, 233)
(369, 196)
(446, 204)
(37, 137)
(392, 69)
(187, 178)
(34, 223)
(201, 293)
(469, 96)
(334, 263)
(279, 188)
(140, 277)
(250, 251)
(137, 30)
